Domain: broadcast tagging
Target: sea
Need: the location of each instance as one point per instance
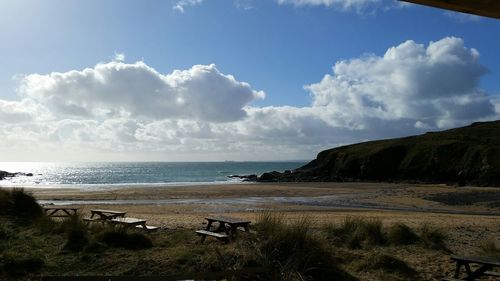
(99, 175)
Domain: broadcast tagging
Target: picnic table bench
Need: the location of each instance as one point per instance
(60, 211)
(133, 222)
(486, 266)
(226, 229)
(99, 214)
(118, 218)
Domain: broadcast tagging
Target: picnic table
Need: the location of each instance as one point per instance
(60, 211)
(226, 229)
(118, 218)
(485, 267)
(129, 222)
(105, 214)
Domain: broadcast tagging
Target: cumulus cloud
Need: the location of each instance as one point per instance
(131, 110)
(437, 85)
(180, 5)
(117, 89)
(356, 5)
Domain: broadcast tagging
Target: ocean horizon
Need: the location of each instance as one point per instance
(101, 175)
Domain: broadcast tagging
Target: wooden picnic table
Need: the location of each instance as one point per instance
(105, 215)
(60, 211)
(485, 267)
(226, 225)
(130, 222)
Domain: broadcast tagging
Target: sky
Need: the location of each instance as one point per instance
(215, 80)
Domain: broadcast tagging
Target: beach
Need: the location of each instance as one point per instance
(176, 207)
(445, 220)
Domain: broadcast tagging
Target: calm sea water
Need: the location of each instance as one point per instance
(109, 174)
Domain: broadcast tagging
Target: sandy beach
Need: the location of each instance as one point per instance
(175, 207)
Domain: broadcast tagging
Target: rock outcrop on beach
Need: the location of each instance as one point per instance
(464, 156)
(4, 174)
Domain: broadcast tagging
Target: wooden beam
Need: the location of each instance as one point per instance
(485, 8)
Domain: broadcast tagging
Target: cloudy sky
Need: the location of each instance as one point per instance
(208, 80)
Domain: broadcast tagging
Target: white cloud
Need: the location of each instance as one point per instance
(437, 86)
(119, 111)
(462, 17)
(117, 89)
(119, 57)
(357, 5)
(180, 5)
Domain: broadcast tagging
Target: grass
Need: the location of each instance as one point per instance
(300, 250)
(124, 238)
(19, 205)
(297, 250)
(401, 234)
(489, 249)
(356, 233)
(387, 264)
(432, 237)
(77, 234)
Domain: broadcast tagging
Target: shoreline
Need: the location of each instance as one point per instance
(299, 196)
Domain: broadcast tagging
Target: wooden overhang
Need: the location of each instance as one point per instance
(486, 8)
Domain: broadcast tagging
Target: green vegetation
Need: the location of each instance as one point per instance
(387, 264)
(357, 233)
(433, 238)
(401, 234)
(489, 249)
(468, 155)
(297, 250)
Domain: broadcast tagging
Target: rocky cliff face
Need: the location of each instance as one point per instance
(468, 155)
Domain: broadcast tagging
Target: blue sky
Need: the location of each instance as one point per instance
(272, 47)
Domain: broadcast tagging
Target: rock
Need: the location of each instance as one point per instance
(244, 177)
(4, 174)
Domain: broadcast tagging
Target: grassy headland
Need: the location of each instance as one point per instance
(463, 156)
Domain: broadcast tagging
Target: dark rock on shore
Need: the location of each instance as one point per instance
(4, 174)
(463, 156)
(245, 177)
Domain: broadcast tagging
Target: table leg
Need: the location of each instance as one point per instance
(478, 273)
(209, 225)
(457, 269)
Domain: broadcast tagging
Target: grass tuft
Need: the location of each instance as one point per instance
(386, 263)
(401, 234)
(126, 239)
(489, 249)
(19, 205)
(432, 237)
(17, 264)
(297, 250)
(357, 233)
(77, 234)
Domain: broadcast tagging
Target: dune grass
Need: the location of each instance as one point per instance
(432, 237)
(401, 234)
(356, 233)
(297, 249)
(489, 248)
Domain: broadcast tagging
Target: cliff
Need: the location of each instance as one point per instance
(468, 155)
